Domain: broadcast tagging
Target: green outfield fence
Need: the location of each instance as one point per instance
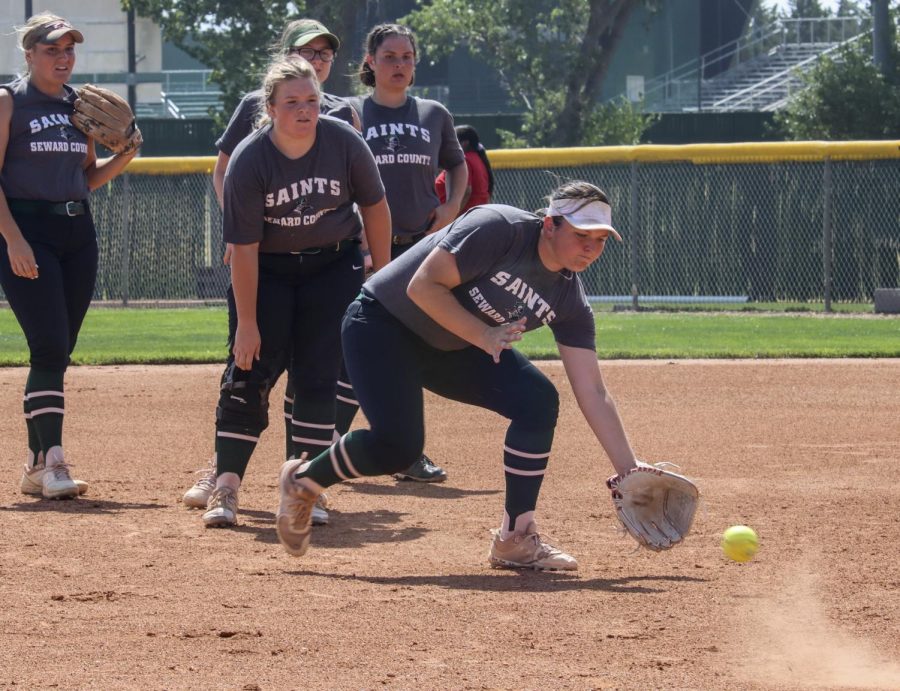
(781, 221)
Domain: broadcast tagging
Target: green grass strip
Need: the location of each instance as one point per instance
(168, 336)
(136, 336)
(725, 335)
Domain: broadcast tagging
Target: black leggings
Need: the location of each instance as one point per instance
(390, 366)
(300, 301)
(51, 308)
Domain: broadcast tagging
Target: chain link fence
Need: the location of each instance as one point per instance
(808, 222)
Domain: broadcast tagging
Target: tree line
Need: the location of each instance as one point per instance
(552, 57)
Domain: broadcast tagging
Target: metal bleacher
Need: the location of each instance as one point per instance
(188, 94)
(754, 73)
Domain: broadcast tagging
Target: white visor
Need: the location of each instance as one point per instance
(593, 216)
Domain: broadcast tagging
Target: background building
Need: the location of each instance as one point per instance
(690, 56)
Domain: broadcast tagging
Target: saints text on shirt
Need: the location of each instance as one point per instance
(303, 188)
(524, 293)
(53, 120)
(393, 147)
(395, 129)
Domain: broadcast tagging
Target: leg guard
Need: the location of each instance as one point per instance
(243, 401)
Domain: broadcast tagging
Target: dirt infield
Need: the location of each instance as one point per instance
(126, 589)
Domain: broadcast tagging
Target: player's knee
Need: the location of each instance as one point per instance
(314, 388)
(50, 356)
(397, 453)
(540, 407)
(549, 403)
(243, 401)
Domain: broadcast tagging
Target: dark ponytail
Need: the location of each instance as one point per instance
(468, 134)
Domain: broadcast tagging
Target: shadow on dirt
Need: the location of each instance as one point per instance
(511, 581)
(344, 530)
(79, 506)
(418, 489)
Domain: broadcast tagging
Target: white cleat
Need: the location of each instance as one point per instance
(56, 483)
(33, 473)
(293, 522)
(528, 551)
(197, 497)
(221, 511)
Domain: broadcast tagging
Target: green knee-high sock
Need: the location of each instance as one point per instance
(346, 407)
(312, 424)
(347, 459)
(233, 455)
(34, 440)
(45, 406)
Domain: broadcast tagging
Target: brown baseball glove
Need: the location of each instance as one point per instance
(107, 117)
(655, 506)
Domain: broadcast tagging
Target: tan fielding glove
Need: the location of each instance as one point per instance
(655, 506)
(106, 116)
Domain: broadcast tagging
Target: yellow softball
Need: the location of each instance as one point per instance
(740, 543)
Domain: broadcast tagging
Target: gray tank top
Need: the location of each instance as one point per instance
(45, 154)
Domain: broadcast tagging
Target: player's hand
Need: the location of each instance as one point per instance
(21, 258)
(229, 250)
(368, 266)
(246, 345)
(500, 338)
(441, 216)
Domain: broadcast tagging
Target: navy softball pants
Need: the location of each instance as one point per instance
(300, 301)
(51, 308)
(390, 366)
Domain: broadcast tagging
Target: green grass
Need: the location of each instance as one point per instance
(704, 335)
(117, 336)
(785, 307)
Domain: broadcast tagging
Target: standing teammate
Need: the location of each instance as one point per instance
(49, 247)
(444, 316)
(412, 139)
(289, 197)
(480, 185)
(312, 41)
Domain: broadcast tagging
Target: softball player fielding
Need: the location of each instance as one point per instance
(445, 316)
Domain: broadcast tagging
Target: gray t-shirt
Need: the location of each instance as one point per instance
(45, 154)
(288, 205)
(244, 117)
(503, 279)
(411, 144)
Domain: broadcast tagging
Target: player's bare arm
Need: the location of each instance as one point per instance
(377, 229)
(245, 281)
(21, 256)
(101, 171)
(430, 289)
(443, 215)
(219, 177)
(597, 405)
(218, 181)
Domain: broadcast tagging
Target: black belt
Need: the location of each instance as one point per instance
(42, 208)
(407, 239)
(326, 249)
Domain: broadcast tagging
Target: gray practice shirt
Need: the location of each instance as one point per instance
(45, 154)
(288, 205)
(410, 144)
(244, 117)
(503, 279)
